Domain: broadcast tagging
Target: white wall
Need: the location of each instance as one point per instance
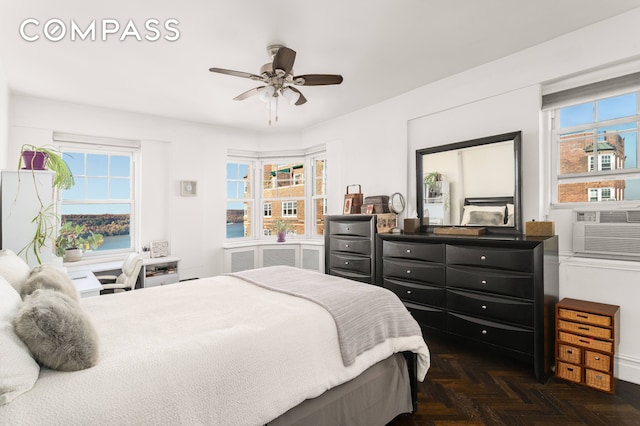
(4, 119)
(376, 147)
(171, 151)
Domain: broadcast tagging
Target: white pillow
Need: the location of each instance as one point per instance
(18, 370)
(466, 216)
(13, 268)
(510, 215)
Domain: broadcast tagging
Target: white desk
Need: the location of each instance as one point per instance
(86, 283)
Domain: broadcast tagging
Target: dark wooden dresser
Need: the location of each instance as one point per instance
(497, 290)
(349, 243)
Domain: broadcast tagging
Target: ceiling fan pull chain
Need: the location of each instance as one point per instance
(277, 109)
(269, 113)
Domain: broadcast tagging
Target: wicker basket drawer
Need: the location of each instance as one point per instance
(586, 342)
(584, 317)
(598, 380)
(569, 372)
(590, 330)
(597, 360)
(569, 354)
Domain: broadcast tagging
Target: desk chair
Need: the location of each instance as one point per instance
(126, 280)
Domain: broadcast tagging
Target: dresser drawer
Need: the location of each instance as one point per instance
(414, 271)
(351, 245)
(585, 342)
(510, 284)
(360, 228)
(598, 361)
(584, 317)
(416, 251)
(588, 330)
(356, 276)
(425, 294)
(598, 380)
(426, 316)
(506, 336)
(569, 372)
(570, 354)
(509, 259)
(490, 307)
(351, 263)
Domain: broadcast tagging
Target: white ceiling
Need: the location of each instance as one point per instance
(382, 48)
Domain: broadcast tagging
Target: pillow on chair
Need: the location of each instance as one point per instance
(49, 277)
(18, 370)
(13, 269)
(56, 331)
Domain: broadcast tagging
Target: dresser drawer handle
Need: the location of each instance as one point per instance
(582, 316)
(586, 342)
(348, 229)
(346, 263)
(483, 282)
(569, 351)
(408, 291)
(597, 358)
(408, 271)
(346, 245)
(483, 257)
(484, 332)
(584, 328)
(408, 250)
(484, 306)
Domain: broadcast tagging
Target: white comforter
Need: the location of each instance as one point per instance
(216, 351)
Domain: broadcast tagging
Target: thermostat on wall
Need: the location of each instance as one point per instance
(188, 188)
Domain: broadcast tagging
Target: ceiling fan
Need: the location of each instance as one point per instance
(279, 79)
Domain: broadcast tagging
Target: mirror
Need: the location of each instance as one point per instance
(472, 183)
(396, 205)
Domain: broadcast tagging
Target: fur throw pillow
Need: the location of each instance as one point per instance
(56, 330)
(49, 277)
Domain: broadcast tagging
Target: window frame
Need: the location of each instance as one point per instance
(97, 146)
(616, 171)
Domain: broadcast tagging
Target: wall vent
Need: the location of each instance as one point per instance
(613, 234)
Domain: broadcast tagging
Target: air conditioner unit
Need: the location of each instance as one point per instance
(613, 234)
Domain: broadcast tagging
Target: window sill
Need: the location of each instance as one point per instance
(254, 243)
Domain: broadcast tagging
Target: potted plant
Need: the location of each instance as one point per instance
(73, 240)
(46, 219)
(431, 184)
(281, 227)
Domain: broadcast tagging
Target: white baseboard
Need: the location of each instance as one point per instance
(627, 368)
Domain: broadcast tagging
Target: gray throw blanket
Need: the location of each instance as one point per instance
(365, 314)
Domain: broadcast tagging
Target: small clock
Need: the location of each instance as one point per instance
(188, 188)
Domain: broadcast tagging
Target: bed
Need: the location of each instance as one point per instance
(488, 211)
(276, 346)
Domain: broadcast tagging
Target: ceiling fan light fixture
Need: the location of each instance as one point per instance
(290, 95)
(265, 94)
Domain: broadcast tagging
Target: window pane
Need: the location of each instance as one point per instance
(617, 107)
(238, 222)
(576, 115)
(320, 207)
(98, 188)
(110, 220)
(75, 161)
(320, 178)
(575, 152)
(120, 166)
(77, 191)
(97, 165)
(120, 189)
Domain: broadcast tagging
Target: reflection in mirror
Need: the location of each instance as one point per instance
(472, 183)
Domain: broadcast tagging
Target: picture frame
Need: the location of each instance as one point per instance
(159, 248)
(369, 209)
(188, 188)
(348, 202)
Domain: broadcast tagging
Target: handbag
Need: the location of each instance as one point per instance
(353, 200)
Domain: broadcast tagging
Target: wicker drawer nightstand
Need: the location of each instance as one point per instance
(587, 336)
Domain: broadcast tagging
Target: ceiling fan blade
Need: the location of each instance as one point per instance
(247, 94)
(284, 59)
(236, 73)
(317, 79)
(301, 100)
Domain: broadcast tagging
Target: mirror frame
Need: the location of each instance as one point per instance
(517, 184)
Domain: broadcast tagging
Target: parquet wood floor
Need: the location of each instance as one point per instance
(467, 386)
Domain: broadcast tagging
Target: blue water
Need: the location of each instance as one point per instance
(116, 242)
(235, 230)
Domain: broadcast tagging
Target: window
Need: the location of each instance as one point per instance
(595, 149)
(293, 189)
(289, 208)
(239, 199)
(103, 197)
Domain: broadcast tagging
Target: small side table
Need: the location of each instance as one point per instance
(587, 335)
(86, 283)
